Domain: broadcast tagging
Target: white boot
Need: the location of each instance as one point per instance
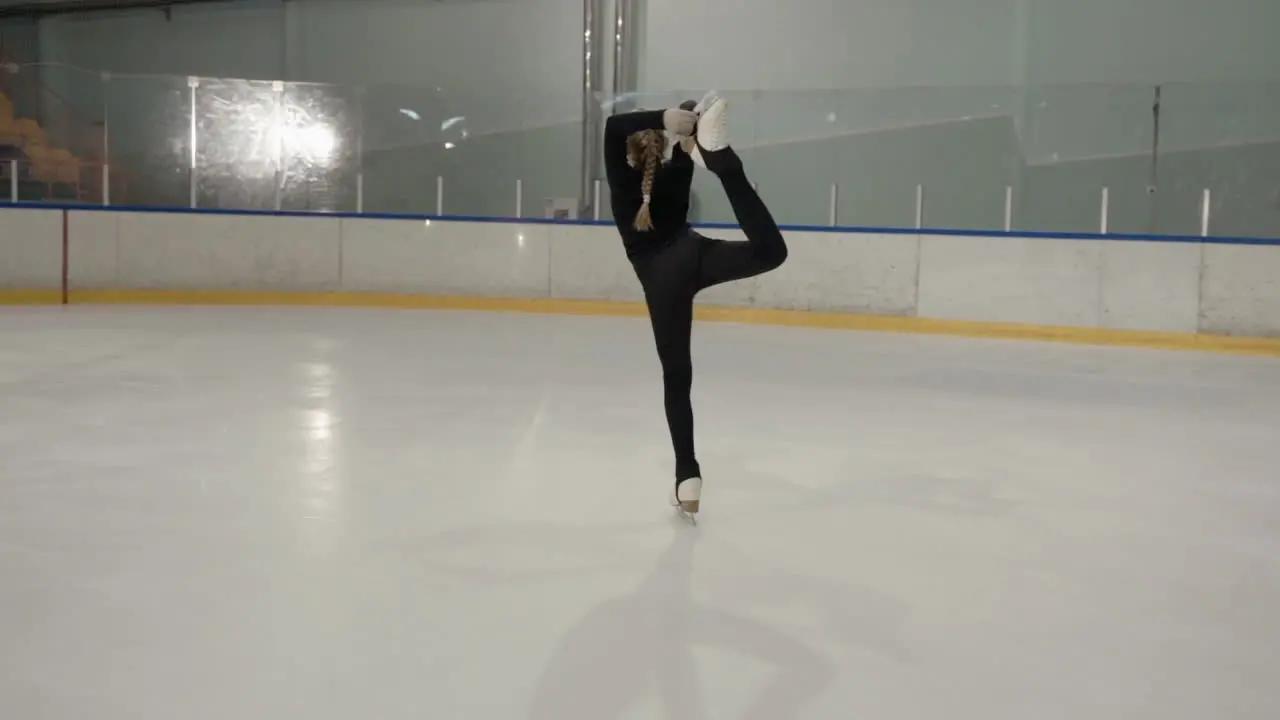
(712, 134)
(687, 495)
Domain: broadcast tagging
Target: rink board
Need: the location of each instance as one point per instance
(1174, 292)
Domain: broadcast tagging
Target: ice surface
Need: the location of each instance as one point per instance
(318, 513)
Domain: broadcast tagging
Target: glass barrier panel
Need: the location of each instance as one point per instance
(481, 151)
(854, 157)
(894, 142)
(31, 182)
(547, 153)
(408, 137)
(1220, 137)
(51, 122)
(1077, 140)
(149, 140)
(320, 137)
(962, 144)
(239, 144)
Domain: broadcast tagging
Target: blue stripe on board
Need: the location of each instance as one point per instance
(1211, 240)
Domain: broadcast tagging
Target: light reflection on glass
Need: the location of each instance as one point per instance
(264, 146)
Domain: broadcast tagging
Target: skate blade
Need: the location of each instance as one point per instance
(688, 511)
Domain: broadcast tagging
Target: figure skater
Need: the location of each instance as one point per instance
(649, 161)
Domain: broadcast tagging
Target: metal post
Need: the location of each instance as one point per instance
(622, 35)
(1008, 208)
(106, 139)
(1153, 178)
(1205, 210)
(919, 207)
(595, 201)
(439, 195)
(519, 198)
(193, 83)
(13, 181)
(833, 214)
(359, 193)
(591, 141)
(1104, 222)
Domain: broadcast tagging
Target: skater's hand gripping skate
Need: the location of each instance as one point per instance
(679, 122)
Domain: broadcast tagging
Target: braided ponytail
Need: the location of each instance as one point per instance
(645, 149)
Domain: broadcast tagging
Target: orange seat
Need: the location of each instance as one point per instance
(47, 164)
(30, 131)
(66, 166)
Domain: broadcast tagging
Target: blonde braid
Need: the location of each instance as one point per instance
(645, 149)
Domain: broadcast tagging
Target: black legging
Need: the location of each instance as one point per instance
(674, 275)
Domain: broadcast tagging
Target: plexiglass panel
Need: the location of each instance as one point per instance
(240, 144)
(1077, 140)
(320, 137)
(854, 157)
(150, 140)
(1220, 137)
(407, 136)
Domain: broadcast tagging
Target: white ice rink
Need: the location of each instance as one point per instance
(217, 514)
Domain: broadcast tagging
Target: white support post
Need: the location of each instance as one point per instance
(277, 88)
(1104, 222)
(832, 213)
(106, 139)
(360, 193)
(439, 195)
(13, 181)
(1008, 208)
(920, 207)
(519, 199)
(193, 82)
(595, 200)
(1205, 211)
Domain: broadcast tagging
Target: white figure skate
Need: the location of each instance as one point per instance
(686, 498)
(712, 133)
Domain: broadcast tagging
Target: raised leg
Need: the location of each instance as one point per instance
(763, 250)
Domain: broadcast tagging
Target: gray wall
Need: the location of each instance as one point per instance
(1051, 97)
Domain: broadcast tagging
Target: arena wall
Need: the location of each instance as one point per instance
(1213, 293)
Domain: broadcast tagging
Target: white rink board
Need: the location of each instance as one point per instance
(1036, 281)
(445, 258)
(1091, 283)
(1150, 286)
(225, 252)
(1240, 290)
(845, 272)
(587, 264)
(31, 249)
(93, 249)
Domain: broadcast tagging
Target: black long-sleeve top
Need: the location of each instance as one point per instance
(669, 205)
